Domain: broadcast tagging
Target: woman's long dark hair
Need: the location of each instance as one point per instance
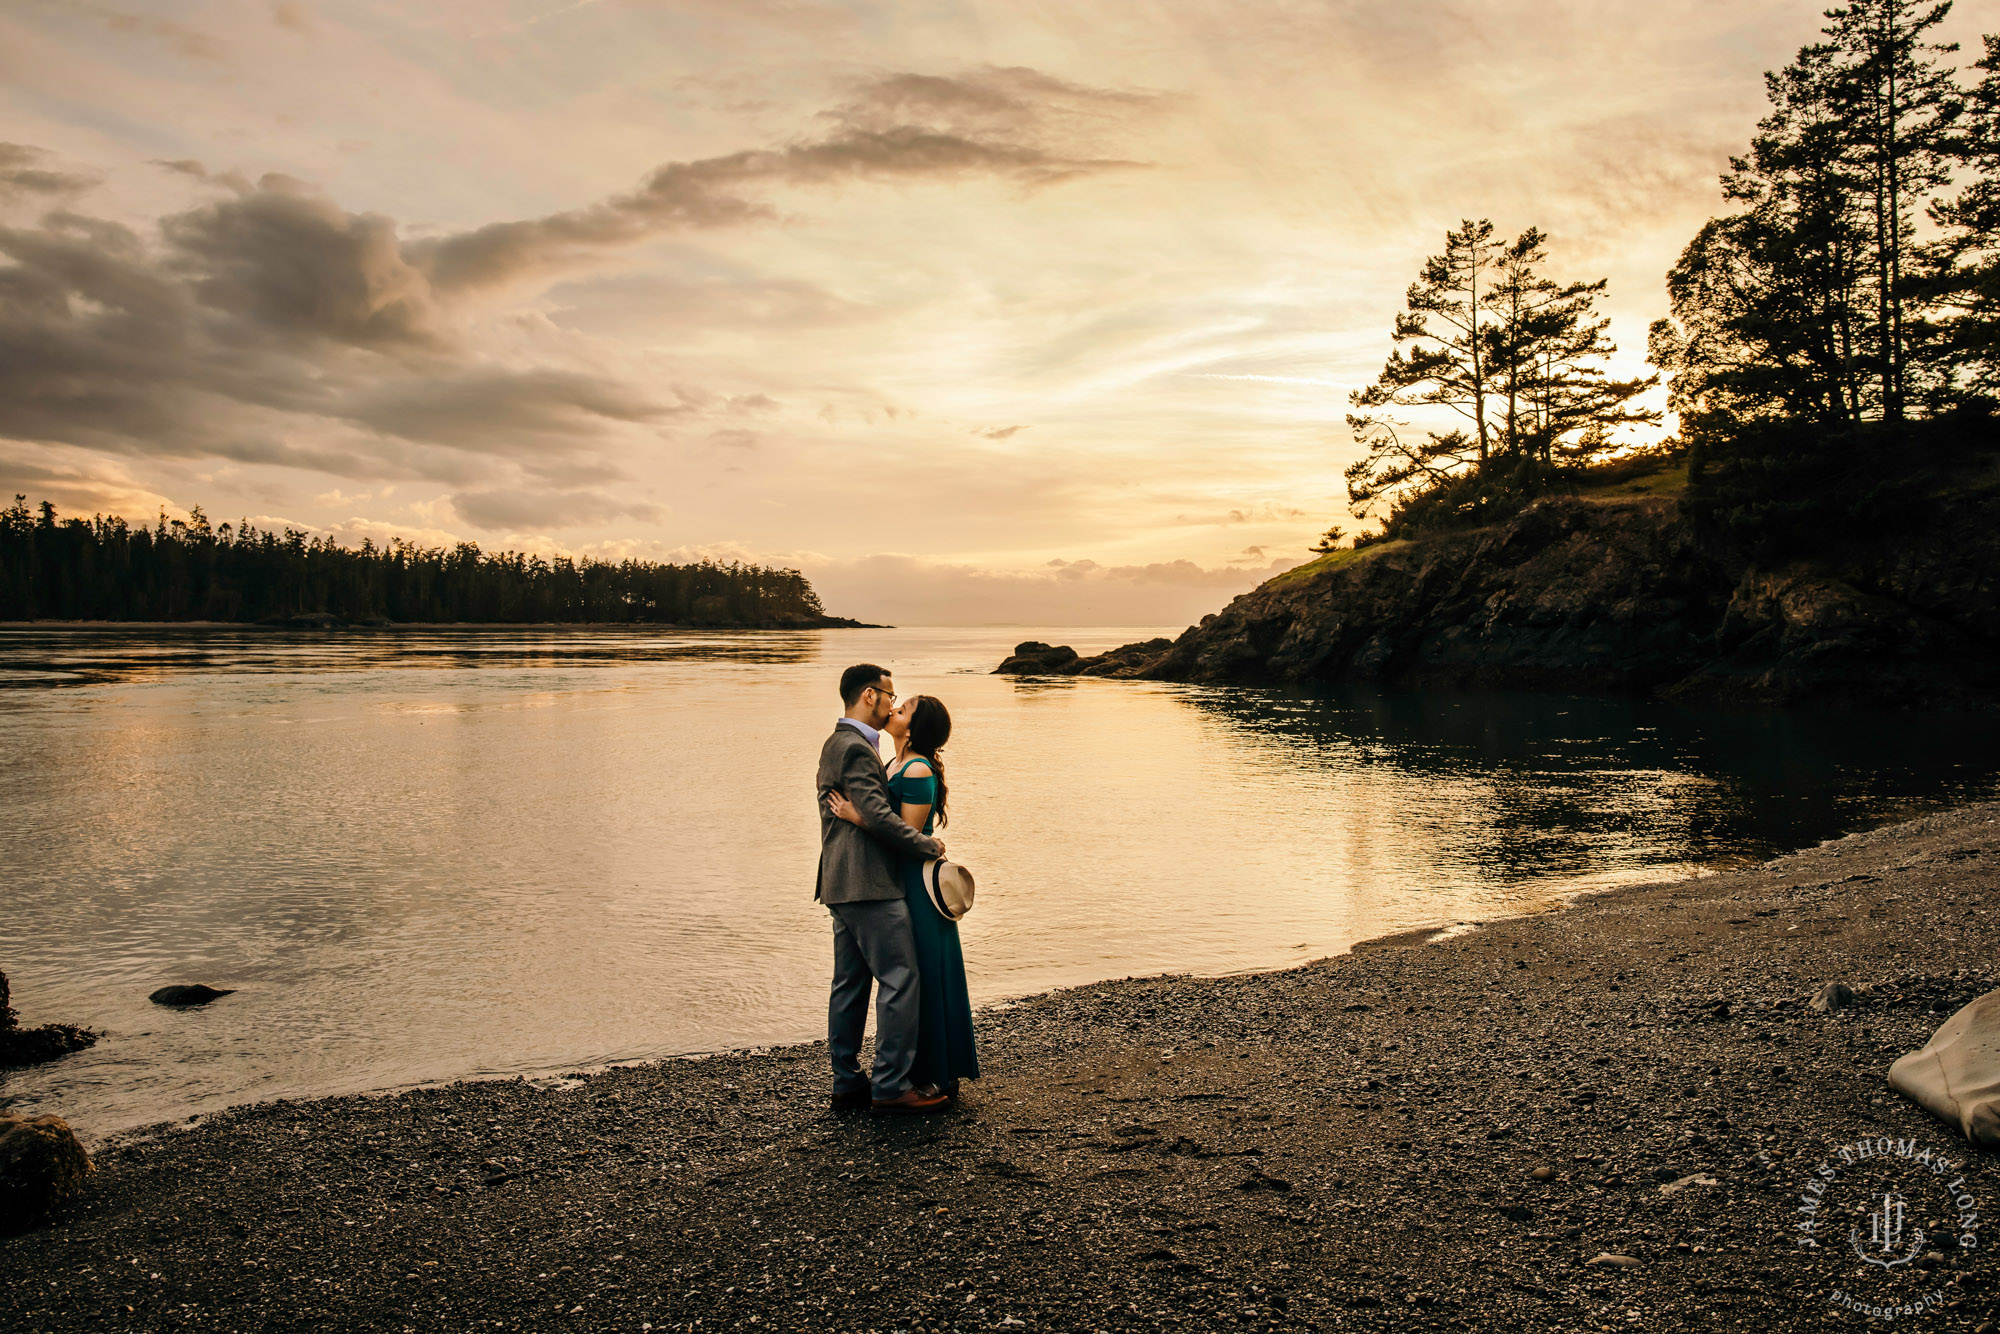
(930, 728)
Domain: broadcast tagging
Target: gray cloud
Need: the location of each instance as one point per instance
(903, 127)
(1268, 512)
(514, 509)
(187, 166)
(292, 262)
(1179, 573)
(1082, 592)
(200, 347)
(291, 14)
(502, 412)
(638, 303)
(20, 176)
(179, 38)
(268, 324)
(1000, 432)
(1013, 103)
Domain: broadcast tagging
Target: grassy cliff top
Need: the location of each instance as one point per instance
(1618, 483)
(1331, 560)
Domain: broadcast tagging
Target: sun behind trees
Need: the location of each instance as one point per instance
(104, 569)
(1518, 356)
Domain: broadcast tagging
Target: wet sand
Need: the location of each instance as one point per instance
(1353, 1144)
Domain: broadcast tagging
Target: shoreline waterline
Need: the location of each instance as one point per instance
(1413, 936)
(421, 857)
(1408, 1135)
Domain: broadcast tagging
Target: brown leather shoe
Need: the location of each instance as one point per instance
(850, 1102)
(911, 1101)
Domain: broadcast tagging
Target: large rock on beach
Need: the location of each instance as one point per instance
(30, 1046)
(41, 1167)
(183, 996)
(1956, 1075)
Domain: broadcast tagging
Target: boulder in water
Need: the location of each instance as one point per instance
(183, 996)
(1956, 1075)
(41, 1167)
(1035, 658)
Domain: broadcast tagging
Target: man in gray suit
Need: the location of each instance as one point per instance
(859, 884)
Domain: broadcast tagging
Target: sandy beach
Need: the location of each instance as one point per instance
(1428, 1133)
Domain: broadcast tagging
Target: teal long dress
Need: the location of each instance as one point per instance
(945, 1050)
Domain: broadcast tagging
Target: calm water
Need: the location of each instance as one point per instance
(429, 855)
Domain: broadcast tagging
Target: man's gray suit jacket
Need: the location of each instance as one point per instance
(859, 865)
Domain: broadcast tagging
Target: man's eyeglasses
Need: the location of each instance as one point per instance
(889, 695)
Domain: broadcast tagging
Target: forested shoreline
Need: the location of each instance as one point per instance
(105, 569)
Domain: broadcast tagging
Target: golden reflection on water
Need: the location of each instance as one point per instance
(427, 854)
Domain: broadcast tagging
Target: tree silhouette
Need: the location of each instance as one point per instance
(1517, 356)
(1965, 260)
(104, 569)
(1812, 332)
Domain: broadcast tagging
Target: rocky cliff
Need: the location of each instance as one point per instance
(1617, 594)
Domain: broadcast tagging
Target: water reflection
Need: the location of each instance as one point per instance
(426, 854)
(1565, 781)
(109, 654)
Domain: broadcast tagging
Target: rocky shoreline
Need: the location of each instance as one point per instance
(1616, 593)
(44, 1042)
(1594, 1118)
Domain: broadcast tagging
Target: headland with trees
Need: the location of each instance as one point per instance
(1824, 523)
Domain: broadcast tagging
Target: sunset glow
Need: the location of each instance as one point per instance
(974, 312)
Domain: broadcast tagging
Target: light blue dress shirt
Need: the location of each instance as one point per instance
(874, 736)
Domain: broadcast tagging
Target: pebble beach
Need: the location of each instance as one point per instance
(1594, 1118)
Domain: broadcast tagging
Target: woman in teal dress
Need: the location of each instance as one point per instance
(945, 1048)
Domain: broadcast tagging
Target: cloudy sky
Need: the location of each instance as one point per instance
(975, 310)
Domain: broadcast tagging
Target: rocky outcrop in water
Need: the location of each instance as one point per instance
(31, 1046)
(1578, 594)
(183, 996)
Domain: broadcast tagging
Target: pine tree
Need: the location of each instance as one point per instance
(1766, 303)
(1966, 259)
(1446, 366)
(1548, 345)
(1515, 354)
(1900, 105)
(1813, 333)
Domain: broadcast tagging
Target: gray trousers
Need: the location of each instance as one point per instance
(872, 943)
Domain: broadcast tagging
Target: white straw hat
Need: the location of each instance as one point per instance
(950, 887)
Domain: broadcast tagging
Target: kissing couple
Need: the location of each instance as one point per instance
(875, 842)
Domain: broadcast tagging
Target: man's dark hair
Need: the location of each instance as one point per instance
(857, 679)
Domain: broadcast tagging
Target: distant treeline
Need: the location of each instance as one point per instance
(1833, 350)
(185, 569)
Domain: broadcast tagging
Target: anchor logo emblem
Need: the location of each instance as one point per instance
(1886, 1229)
